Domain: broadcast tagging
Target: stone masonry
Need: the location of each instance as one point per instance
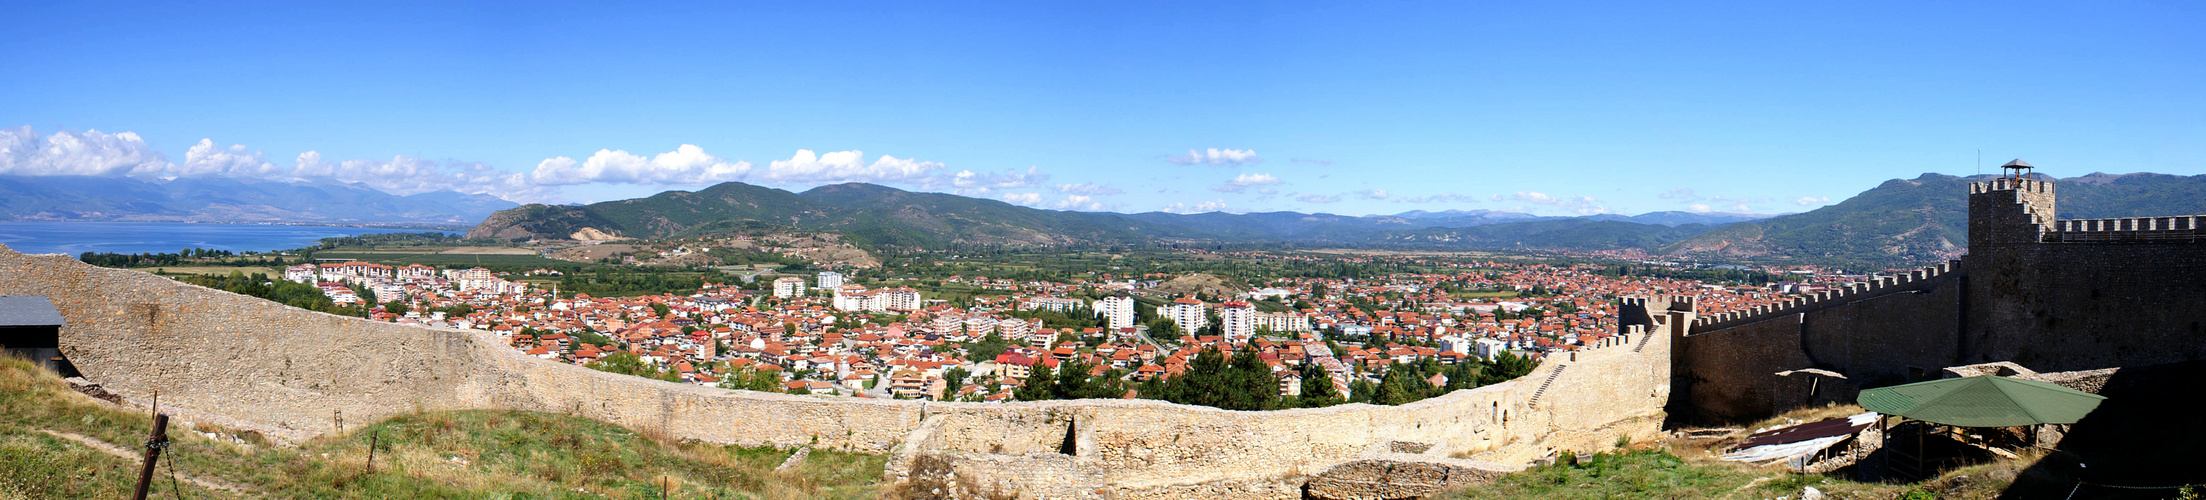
(2036, 291)
(288, 372)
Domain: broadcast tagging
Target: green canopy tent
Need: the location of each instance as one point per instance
(1979, 401)
(1982, 401)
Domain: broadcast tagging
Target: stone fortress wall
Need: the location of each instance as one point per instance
(246, 362)
(2047, 294)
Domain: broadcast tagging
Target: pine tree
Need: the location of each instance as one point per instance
(1317, 387)
(1072, 379)
(1038, 386)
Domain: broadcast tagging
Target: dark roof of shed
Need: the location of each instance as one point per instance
(1838, 426)
(28, 310)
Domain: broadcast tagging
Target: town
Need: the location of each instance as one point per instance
(826, 334)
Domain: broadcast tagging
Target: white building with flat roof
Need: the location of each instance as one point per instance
(1117, 309)
(1189, 313)
(789, 287)
(831, 280)
(1238, 319)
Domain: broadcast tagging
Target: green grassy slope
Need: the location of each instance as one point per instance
(466, 454)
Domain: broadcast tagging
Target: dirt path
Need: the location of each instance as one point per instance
(105, 447)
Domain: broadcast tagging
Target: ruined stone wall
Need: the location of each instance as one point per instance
(247, 362)
(1152, 449)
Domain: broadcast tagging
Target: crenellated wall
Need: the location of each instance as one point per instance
(242, 361)
(2052, 295)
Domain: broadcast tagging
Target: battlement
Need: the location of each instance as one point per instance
(2176, 228)
(1882, 285)
(1662, 302)
(2011, 184)
(1630, 335)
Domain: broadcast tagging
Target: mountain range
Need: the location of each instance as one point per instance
(225, 199)
(1899, 221)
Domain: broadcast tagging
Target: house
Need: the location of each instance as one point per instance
(31, 328)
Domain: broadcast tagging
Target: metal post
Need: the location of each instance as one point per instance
(153, 452)
(372, 438)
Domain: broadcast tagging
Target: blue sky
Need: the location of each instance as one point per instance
(1349, 108)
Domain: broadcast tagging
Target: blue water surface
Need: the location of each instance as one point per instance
(75, 238)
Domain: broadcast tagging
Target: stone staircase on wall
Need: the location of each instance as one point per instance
(1884, 285)
(1541, 392)
(1641, 331)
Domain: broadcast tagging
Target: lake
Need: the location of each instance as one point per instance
(75, 238)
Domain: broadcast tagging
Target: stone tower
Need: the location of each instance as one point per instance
(2009, 210)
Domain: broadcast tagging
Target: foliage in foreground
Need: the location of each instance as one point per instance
(464, 454)
(1654, 473)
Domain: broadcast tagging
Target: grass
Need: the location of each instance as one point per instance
(1654, 473)
(463, 454)
(1688, 468)
(1629, 474)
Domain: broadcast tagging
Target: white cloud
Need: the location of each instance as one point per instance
(23, 152)
(405, 175)
(1215, 156)
(1087, 189)
(1372, 194)
(1812, 200)
(687, 165)
(1441, 198)
(847, 166)
(1199, 208)
(1678, 194)
(1028, 199)
(1698, 208)
(1242, 182)
(1317, 198)
(1581, 205)
(969, 183)
(1079, 202)
(1535, 197)
(235, 161)
(1741, 209)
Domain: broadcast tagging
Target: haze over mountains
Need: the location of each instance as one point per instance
(226, 199)
(1903, 220)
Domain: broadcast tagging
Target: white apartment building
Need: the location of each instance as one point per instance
(947, 324)
(303, 273)
(831, 280)
(856, 298)
(1118, 309)
(789, 287)
(1189, 313)
(1238, 320)
(417, 272)
(1487, 348)
(1456, 344)
(1058, 304)
(1283, 321)
(900, 298)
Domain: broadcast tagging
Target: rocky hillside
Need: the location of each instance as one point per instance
(874, 216)
(1899, 222)
(1926, 219)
